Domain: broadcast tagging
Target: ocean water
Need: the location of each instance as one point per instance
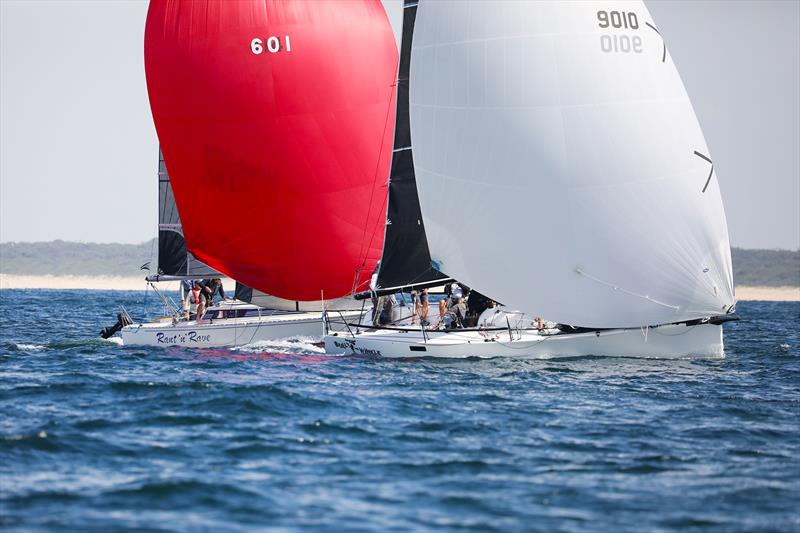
(99, 437)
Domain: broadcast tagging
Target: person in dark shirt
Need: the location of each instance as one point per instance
(210, 288)
(477, 303)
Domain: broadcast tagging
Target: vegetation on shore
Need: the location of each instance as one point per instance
(62, 258)
(769, 268)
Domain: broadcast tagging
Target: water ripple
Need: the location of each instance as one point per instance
(98, 436)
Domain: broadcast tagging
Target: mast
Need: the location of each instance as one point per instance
(406, 260)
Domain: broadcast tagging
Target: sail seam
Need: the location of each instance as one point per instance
(626, 291)
(551, 106)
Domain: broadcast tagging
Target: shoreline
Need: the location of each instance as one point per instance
(99, 283)
(768, 294)
(137, 283)
(119, 283)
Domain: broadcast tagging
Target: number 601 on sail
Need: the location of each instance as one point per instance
(273, 43)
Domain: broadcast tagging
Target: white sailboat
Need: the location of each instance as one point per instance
(250, 317)
(561, 171)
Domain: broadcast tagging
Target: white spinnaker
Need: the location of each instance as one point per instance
(557, 173)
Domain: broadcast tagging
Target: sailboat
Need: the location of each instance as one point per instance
(560, 171)
(250, 317)
(275, 147)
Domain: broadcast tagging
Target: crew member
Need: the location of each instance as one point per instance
(211, 288)
(477, 303)
(197, 298)
(420, 307)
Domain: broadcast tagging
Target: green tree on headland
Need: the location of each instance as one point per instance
(772, 268)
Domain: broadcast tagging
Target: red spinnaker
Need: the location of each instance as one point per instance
(278, 148)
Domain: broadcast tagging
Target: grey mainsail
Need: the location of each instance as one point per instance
(174, 260)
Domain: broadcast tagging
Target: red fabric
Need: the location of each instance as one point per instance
(278, 161)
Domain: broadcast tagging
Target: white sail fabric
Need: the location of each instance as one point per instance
(394, 12)
(555, 160)
(263, 299)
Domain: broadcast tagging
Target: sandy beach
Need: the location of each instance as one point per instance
(768, 294)
(122, 283)
(117, 283)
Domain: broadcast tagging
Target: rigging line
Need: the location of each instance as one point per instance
(698, 154)
(379, 224)
(529, 343)
(377, 167)
(144, 301)
(356, 285)
(365, 282)
(152, 246)
(688, 329)
(258, 327)
(631, 293)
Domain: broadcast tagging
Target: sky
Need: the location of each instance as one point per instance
(79, 153)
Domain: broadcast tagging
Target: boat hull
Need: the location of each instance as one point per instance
(663, 342)
(226, 333)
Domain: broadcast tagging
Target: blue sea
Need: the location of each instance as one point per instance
(95, 436)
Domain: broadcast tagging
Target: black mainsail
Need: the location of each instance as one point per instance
(406, 260)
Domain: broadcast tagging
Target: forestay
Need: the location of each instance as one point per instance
(560, 165)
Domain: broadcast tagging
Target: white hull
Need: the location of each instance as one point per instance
(667, 342)
(229, 332)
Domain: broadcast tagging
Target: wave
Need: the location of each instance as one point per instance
(24, 347)
(62, 345)
(77, 343)
(294, 345)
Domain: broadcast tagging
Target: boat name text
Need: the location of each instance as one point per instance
(351, 345)
(182, 338)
